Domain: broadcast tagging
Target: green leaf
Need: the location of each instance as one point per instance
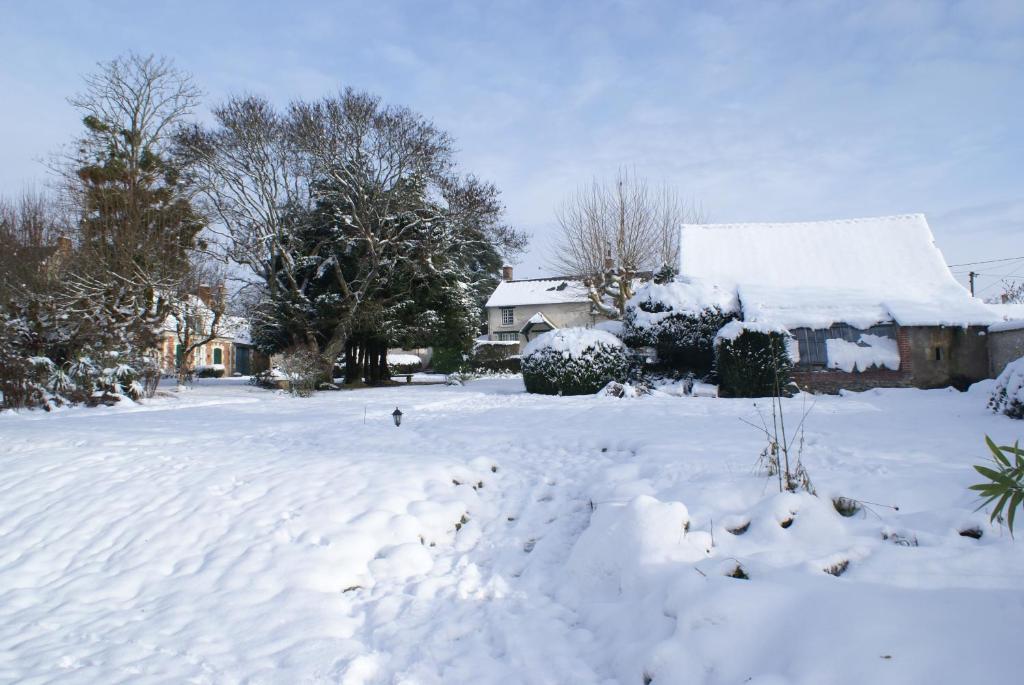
(997, 452)
(1014, 503)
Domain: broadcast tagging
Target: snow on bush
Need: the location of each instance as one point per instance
(302, 367)
(573, 361)
(870, 350)
(495, 356)
(752, 359)
(679, 319)
(210, 370)
(1008, 394)
(399, 364)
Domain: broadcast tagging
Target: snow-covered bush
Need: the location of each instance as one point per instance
(679, 320)
(302, 368)
(400, 364)
(210, 371)
(1008, 394)
(496, 356)
(752, 359)
(573, 361)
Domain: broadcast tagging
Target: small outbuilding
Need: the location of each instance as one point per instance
(870, 302)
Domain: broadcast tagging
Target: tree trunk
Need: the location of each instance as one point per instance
(351, 369)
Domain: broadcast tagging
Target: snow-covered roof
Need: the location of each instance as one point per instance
(536, 320)
(538, 291)
(854, 271)
(1008, 311)
(237, 329)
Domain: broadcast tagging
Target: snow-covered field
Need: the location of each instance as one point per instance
(235, 535)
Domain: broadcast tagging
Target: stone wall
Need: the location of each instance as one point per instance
(1004, 346)
(930, 357)
(940, 356)
(831, 382)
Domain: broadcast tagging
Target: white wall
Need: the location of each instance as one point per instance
(571, 315)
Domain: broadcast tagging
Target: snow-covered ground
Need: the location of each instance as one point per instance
(235, 535)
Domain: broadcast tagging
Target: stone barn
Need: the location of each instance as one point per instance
(869, 302)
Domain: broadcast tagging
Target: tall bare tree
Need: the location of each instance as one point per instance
(611, 232)
(136, 214)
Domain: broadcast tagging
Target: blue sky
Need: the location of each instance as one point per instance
(757, 110)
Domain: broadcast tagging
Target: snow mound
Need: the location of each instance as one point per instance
(623, 543)
(1008, 393)
(572, 342)
(870, 350)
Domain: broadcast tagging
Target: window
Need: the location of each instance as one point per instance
(218, 356)
(938, 354)
(507, 316)
(508, 337)
(178, 355)
(811, 341)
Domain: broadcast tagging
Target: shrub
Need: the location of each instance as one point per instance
(680, 321)
(214, 371)
(1008, 395)
(448, 359)
(752, 360)
(264, 379)
(1004, 483)
(401, 364)
(495, 357)
(573, 361)
(302, 367)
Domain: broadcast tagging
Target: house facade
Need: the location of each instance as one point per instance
(869, 302)
(230, 352)
(519, 311)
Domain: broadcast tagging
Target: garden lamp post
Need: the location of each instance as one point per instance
(397, 416)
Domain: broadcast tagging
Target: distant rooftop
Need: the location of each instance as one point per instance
(538, 291)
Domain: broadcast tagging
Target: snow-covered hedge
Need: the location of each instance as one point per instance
(210, 371)
(399, 364)
(1008, 395)
(573, 361)
(679, 320)
(495, 356)
(752, 359)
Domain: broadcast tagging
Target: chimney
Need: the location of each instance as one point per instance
(506, 273)
(64, 245)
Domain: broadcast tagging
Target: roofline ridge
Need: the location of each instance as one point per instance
(908, 216)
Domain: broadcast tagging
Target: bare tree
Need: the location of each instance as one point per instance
(613, 232)
(122, 177)
(253, 182)
(1013, 292)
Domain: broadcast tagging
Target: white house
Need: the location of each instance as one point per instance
(519, 311)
